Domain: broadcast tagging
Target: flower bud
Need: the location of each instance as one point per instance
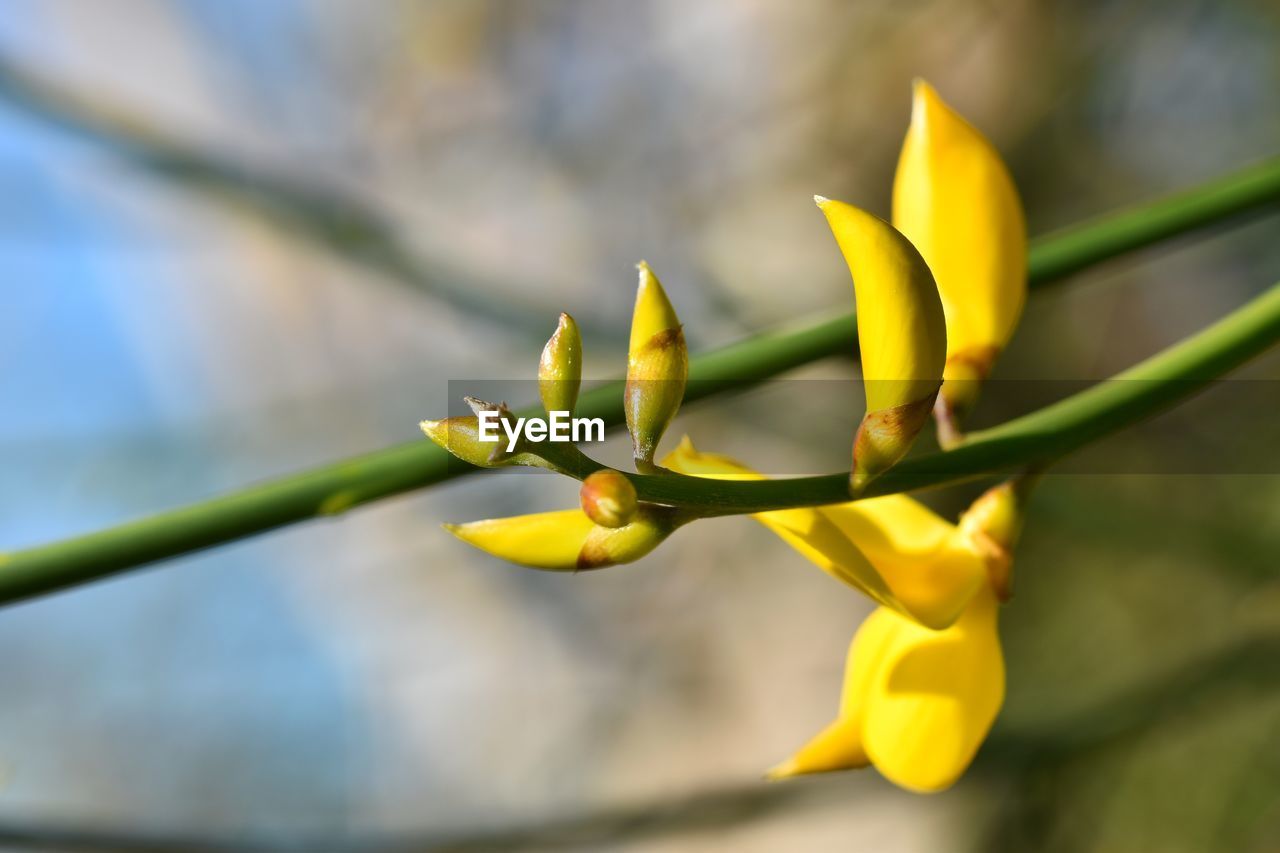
(954, 199)
(560, 368)
(902, 336)
(657, 368)
(461, 437)
(608, 498)
(993, 523)
(566, 540)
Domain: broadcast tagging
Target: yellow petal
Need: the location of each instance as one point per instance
(930, 566)
(653, 312)
(901, 331)
(545, 540)
(954, 199)
(567, 540)
(806, 530)
(893, 548)
(837, 747)
(933, 698)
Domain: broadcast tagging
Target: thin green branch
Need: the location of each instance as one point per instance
(1034, 439)
(342, 485)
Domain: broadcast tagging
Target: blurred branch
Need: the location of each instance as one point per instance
(338, 222)
(1038, 437)
(1249, 663)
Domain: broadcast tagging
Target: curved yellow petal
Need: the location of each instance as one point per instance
(893, 548)
(931, 567)
(839, 746)
(933, 698)
(901, 331)
(567, 540)
(954, 199)
(545, 540)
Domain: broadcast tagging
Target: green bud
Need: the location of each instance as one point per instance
(560, 368)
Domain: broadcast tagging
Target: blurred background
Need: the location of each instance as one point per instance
(240, 238)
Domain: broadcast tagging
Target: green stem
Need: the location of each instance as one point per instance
(337, 487)
(1034, 439)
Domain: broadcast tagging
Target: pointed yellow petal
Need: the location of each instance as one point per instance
(545, 540)
(837, 747)
(954, 199)
(901, 331)
(653, 312)
(934, 697)
(893, 548)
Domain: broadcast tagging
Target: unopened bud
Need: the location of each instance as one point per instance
(902, 336)
(467, 437)
(461, 437)
(993, 523)
(884, 437)
(567, 540)
(608, 498)
(560, 368)
(657, 368)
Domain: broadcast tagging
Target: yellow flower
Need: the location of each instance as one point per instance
(925, 674)
(901, 335)
(954, 199)
(893, 548)
(916, 703)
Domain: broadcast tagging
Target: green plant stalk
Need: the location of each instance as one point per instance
(342, 485)
(1034, 439)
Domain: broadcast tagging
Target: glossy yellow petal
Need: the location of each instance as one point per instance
(806, 530)
(928, 569)
(545, 540)
(901, 332)
(653, 312)
(934, 697)
(930, 566)
(567, 540)
(892, 548)
(954, 199)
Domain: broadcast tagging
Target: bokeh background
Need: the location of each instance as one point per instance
(238, 238)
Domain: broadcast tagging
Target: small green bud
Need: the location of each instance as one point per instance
(560, 368)
(657, 368)
(461, 436)
(608, 498)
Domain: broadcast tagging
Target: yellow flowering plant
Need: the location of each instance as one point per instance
(938, 292)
